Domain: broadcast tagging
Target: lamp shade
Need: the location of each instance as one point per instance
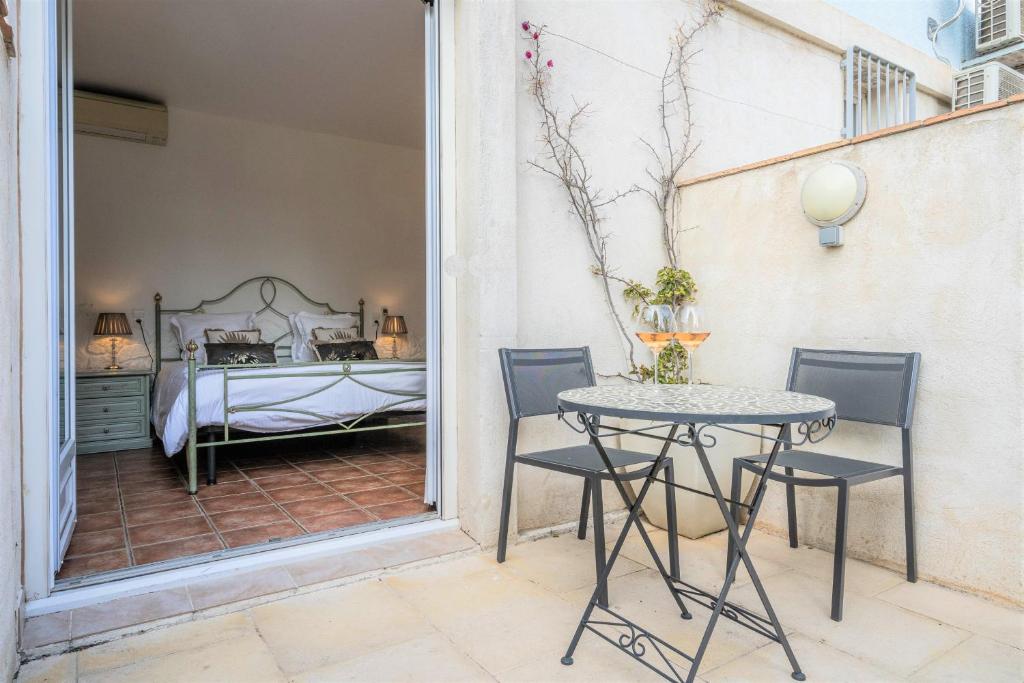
(394, 324)
(112, 325)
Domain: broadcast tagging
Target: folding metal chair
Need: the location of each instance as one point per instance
(877, 388)
(533, 379)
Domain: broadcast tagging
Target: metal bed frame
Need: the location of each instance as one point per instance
(332, 371)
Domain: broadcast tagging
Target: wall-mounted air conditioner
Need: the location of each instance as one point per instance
(119, 118)
(998, 23)
(986, 83)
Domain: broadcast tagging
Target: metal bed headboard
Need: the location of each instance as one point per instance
(266, 290)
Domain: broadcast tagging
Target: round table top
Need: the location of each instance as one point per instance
(700, 403)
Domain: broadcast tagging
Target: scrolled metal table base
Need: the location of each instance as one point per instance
(639, 643)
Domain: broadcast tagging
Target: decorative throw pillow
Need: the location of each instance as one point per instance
(191, 327)
(348, 350)
(302, 324)
(218, 336)
(232, 353)
(336, 334)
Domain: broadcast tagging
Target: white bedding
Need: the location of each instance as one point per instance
(346, 399)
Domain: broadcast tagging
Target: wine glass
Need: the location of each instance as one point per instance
(662, 318)
(692, 331)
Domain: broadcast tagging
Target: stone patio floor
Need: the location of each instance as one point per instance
(470, 619)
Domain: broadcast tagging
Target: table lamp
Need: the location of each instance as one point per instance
(112, 325)
(394, 325)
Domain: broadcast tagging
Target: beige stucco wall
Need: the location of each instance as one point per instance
(932, 263)
(522, 272)
(10, 366)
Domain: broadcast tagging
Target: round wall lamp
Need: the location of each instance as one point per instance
(831, 195)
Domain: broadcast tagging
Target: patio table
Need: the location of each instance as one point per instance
(691, 414)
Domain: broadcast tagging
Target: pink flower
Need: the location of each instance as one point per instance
(551, 63)
(525, 25)
(529, 55)
(536, 35)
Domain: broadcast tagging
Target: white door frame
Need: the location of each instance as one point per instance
(38, 175)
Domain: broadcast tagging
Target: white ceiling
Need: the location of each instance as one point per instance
(346, 67)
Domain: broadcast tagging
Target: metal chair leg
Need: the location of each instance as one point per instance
(600, 552)
(673, 531)
(734, 509)
(839, 569)
(791, 509)
(908, 509)
(506, 507)
(581, 533)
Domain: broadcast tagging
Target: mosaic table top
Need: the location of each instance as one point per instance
(701, 403)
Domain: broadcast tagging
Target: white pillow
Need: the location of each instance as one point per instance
(193, 326)
(303, 323)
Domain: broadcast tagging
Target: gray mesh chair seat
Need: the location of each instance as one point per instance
(877, 388)
(584, 459)
(825, 465)
(533, 379)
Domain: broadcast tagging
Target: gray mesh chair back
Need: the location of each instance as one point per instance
(866, 386)
(534, 378)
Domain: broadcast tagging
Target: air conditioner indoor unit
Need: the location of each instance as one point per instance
(986, 83)
(120, 118)
(998, 23)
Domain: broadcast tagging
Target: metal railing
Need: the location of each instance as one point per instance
(878, 93)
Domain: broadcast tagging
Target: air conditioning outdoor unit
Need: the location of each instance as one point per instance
(998, 23)
(986, 83)
(119, 118)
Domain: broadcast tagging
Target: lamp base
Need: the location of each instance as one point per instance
(112, 367)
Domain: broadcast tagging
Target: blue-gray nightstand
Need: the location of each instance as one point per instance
(112, 409)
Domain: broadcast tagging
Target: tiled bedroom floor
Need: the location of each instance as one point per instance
(133, 509)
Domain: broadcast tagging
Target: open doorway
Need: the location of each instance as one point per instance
(250, 187)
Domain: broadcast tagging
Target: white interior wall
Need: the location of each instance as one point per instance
(229, 199)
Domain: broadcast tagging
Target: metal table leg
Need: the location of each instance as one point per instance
(638, 641)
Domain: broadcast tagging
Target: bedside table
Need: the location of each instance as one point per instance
(112, 410)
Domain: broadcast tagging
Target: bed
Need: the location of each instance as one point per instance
(197, 406)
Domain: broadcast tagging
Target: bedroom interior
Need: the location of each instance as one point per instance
(239, 201)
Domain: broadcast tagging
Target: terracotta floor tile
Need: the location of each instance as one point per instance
(374, 459)
(417, 488)
(230, 488)
(93, 495)
(85, 480)
(161, 513)
(237, 502)
(151, 463)
(358, 484)
(100, 521)
(100, 504)
(239, 519)
(294, 493)
(182, 547)
(339, 474)
(93, 564)
(272, 471)
(145, 475)
(420, 460)
(96, 542)
(226, 474)
(284, 481)
(256, 462)
(315, 465)
(405, 508)
(261, 534)
(413, 476)
(337, 520)
(142, 500)
(318, 506)
(388, 494)
(387, 467)
(308, 457)
(169, 530)
(151, 485)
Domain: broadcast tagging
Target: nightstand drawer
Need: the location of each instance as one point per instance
(112, 429)
(111, 386)
(111, 408)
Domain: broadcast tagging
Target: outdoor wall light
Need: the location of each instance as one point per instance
(833, 194)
